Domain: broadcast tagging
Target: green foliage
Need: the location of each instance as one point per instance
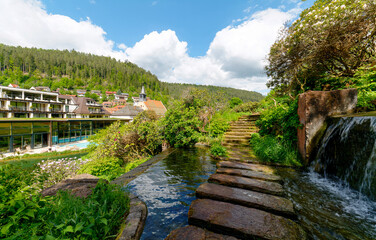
(217, 150)
(138, 139)
(279, 119)
(218, 127)
(270, 149)
(365, 81)
(367, 99)
(123, 146)
(249, 107)
(176, 90)
(181, 125)
(71, 70)
(235, 101)
(24, 214)
(331, 39)
(108, 168)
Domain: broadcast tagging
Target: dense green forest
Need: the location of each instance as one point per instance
(72, 70)
(176, 90)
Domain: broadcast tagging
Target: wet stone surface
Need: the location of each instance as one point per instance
(247, 166)
(242, 222)
(247, 183)
(266, 202)
(249, 174)
(196, 233)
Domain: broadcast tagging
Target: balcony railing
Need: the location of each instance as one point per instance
(18, 108)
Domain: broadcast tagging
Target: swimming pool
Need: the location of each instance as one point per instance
(80, 145)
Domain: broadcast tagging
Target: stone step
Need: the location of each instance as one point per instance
(250, 174)
(247, 133)
(247, 183)
(235, 144)
(242, 127)
(242, 222)
(237, 137)
(239, 140)
(246, 166)
(242, 124)
(248, 130)
(266, 202)
(196, 233)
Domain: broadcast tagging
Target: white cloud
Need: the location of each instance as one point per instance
(235, 57)
(26, 23)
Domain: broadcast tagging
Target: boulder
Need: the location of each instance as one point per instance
(242, 222)
(80, 186)
(250, 174)
(247, 183)
(266, 202)
(196, 233)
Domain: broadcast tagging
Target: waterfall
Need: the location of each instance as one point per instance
(348, 153)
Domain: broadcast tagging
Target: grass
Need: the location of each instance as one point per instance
(131, 165)
(270, 149)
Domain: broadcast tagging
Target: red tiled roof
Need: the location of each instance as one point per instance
(156, 106)
(114, 109)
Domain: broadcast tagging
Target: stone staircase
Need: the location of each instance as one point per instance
(242, 200)
(236, 139)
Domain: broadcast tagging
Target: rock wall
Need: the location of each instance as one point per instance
(314, 108)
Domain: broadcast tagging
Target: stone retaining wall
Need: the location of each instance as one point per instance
(314, 108)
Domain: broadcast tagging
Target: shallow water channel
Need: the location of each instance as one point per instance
(326, 209)
(168, 188)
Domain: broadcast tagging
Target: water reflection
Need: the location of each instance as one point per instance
(168, 188)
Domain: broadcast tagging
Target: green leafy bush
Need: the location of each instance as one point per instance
(217, 150)
(218, 127)
(107, 167)
(24, 214)
(181, 126)
(235, 101)
(247, 107)
(280, 120)
(270, 149)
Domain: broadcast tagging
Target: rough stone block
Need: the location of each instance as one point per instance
(250, 174)
(266, 202)
(314, 108)
(242, 222)
(196, 233)
(247, 183)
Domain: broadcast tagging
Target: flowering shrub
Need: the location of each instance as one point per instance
(50, 172)
(331, 38)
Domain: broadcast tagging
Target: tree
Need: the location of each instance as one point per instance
(330, 39)
(235, 101)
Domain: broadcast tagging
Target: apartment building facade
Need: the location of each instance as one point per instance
(28, 103)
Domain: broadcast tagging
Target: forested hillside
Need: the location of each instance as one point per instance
(177, 89)
(72, 70)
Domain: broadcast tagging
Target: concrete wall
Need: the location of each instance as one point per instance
(314, 108)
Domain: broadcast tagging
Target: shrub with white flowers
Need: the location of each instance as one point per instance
(50, 172)
(332, 38)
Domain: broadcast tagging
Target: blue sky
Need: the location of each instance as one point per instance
(216, 42)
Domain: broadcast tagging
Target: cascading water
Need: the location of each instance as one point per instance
(348, 153)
